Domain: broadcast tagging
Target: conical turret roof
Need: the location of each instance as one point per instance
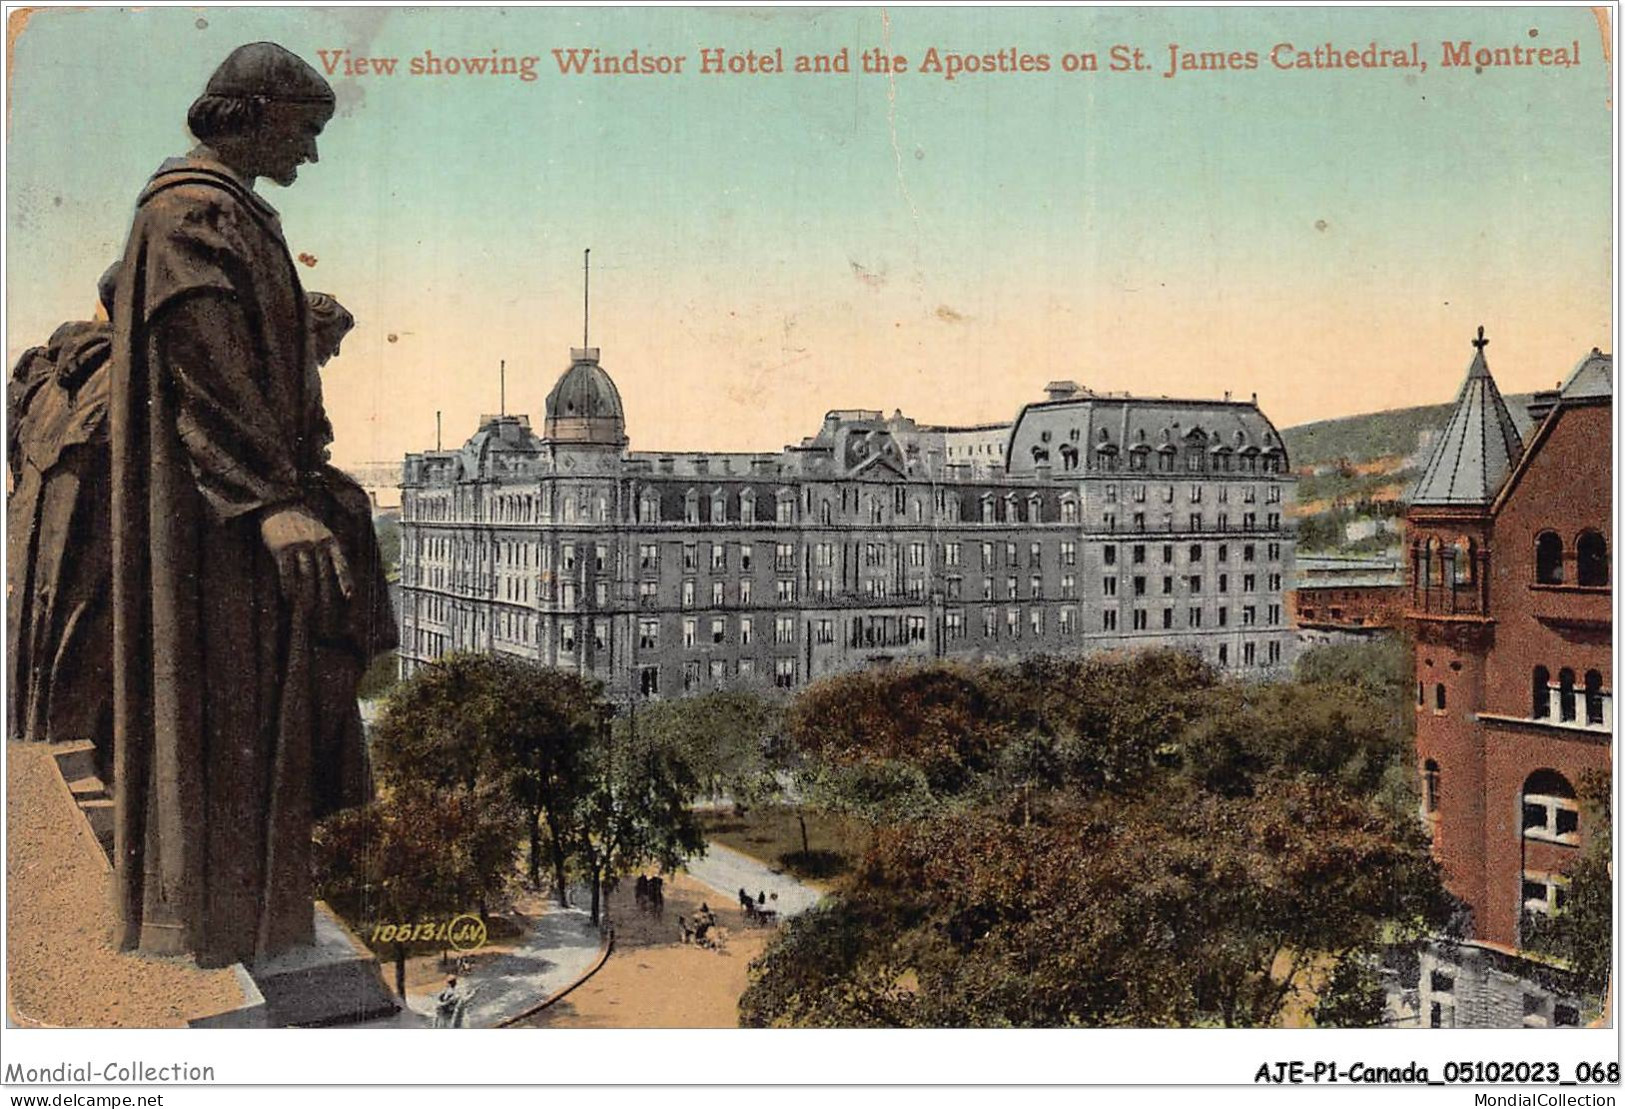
(1477, 448)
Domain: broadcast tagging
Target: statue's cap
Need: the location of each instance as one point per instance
(266, 71)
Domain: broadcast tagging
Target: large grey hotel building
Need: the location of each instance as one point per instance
(1093, 521)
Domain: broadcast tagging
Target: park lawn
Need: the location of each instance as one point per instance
(772, 834)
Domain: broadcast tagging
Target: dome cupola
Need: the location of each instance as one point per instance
(585, 407)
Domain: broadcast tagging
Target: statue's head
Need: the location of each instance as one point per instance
(330, 322)
(261, 112)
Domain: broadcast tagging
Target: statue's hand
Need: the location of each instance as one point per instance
(308, 560)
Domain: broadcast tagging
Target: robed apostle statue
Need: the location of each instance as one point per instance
(225, 576)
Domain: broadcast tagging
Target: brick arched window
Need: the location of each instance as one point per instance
(1430, 786)
(1565, 694)
(1549, 558)
(1541, 694)
(1591, 559)
(1593, 697)
(1550, 810)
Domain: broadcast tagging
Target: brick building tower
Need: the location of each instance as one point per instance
(1510, 602)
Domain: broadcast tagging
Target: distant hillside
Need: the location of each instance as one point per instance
(1355, 473)
(1374, 435)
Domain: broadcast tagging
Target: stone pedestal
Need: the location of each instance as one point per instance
(334, 980)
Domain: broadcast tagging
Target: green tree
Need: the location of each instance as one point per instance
(632, 808)
(724, 736)
(1176, 907)
(1352, 995)
(420, 853)
(499, 723)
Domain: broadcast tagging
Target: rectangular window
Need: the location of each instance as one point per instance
(1139, 554)
(691, 676)
(1167, 584)
(717, 630)
(648, 635)
(1037, 615)
(1037, 584)
(784, 672)
(950, 554)
(1012, 622)
(1108, 586)
(1010, 589)
(744, 631)
(716, 594)
(1195, 617)
(690, 559)
(649, 681)
(690, 631)
(916, 554)
(1108, 554)
(744, 591)
(1069, 585)
(648, 556)
(648, 593)
(567, 637)
(786, 590)
(954, 623)
(1167, 552)
(990, 623)
(784, 629)
(1139, 586)
(784, 557)
(719, 671)
(1167, 617)
(1249, 616)
(744, 556)
(1140, 620)
(1224, 616)
(1035, 554)
(719, 557)
(987, 556)
(688, 594)
(1108, 620)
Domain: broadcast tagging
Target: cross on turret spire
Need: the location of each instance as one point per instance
(1480, 343)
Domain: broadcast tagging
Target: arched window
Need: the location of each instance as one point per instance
(1549, 558)
(1438, 697)
(1550, 810)
(1541, 693)
(1565, 694)
(1593, 697)
(1430, 786)
(1591, 559)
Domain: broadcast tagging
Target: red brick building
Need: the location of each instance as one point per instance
(1509, 598)
(1340, 597)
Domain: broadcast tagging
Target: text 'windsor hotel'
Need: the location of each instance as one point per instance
(1092, 522)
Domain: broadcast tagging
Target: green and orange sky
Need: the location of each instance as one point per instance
(767, 248)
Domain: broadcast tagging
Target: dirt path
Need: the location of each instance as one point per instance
(653, 980)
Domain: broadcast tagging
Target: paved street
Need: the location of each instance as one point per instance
(559, 950)
(726, 871)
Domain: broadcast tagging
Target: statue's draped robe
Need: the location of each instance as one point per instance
(58, 627)
(218, 764)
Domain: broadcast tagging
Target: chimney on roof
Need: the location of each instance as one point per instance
(1062, 390)
(1227, 395)
(1255, 400)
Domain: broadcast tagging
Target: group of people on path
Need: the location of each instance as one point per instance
(651, 894)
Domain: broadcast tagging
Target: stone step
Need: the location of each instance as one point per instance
(76, 760)
(89, 788)
(99, 812)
